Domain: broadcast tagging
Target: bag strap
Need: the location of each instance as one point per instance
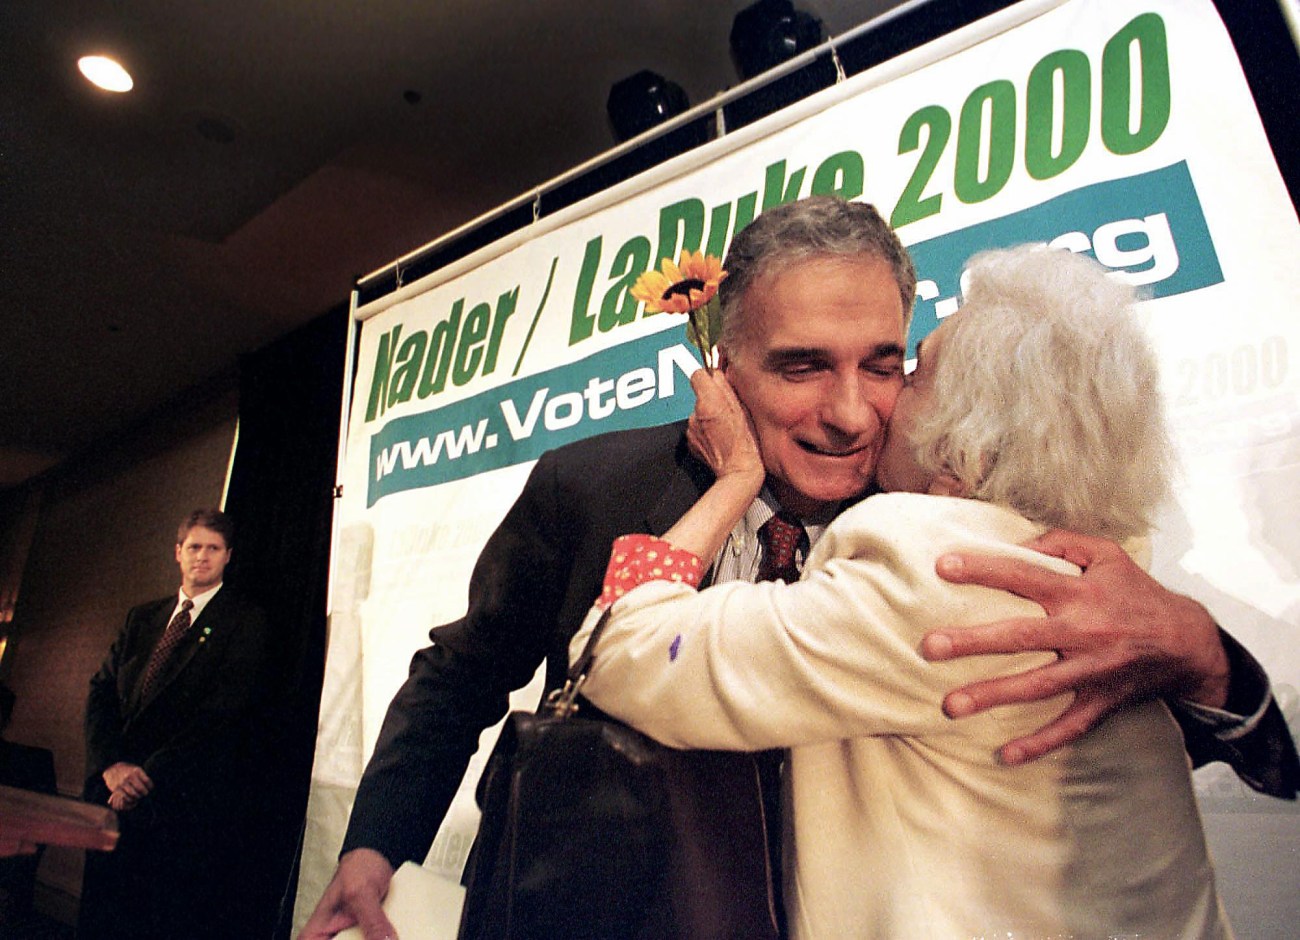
(562, 702)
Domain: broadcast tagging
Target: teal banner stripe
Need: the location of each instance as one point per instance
(636, 384)
(1151, 225)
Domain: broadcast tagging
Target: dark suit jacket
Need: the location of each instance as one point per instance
(194, 720)
(534, 582)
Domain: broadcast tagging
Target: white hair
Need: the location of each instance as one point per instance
(1047, 396)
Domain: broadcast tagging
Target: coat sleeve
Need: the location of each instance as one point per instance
(750, 666)
(103, 711)
(1260, 748)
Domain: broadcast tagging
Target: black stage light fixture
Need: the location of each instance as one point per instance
(769, 32)
(642, 101)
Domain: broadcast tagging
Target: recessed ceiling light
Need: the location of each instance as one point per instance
(105, 73)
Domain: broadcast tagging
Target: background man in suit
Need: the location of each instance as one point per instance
(815, 312)
(166, 717)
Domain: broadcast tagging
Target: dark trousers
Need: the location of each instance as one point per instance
(161, 882)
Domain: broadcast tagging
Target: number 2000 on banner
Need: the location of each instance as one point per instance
(1136, 57)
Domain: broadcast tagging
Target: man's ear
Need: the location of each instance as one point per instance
(178, 551)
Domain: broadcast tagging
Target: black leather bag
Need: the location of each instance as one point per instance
(592, 830)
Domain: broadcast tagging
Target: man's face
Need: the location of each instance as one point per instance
(202, 557)
(819, 370)
(898, 470)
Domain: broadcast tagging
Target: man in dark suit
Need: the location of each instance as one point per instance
(819, 399)
(167, 715)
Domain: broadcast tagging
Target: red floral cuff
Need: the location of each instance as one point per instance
(637, 559)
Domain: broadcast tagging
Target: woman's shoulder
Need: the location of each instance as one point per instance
(901, 513)
(916, 522)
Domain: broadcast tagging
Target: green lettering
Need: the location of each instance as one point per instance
(582, 322)
(505, 307)
(379, 380)
(745, 211)
(841, 174)
(408, 369)
(619, 306)
(472, 335)
(993, 105)
(777, 190)
(442, 340)
(1118, 84)
(719, 220)
(681, 228)
(1073, 71)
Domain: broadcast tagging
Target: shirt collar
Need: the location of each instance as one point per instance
(199, 601)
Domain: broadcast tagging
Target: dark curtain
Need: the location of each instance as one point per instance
(1271, 64)
(281, 501)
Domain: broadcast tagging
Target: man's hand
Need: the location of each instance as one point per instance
(354, 898)
(129, 780)
(1119, 636)
(121, 801)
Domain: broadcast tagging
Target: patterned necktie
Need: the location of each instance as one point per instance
(162, 653)
(780, 537)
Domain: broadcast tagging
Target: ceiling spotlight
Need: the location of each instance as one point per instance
(105, 73)
(767, 33)
(642, 101)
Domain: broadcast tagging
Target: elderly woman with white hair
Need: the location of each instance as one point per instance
(1036, 406)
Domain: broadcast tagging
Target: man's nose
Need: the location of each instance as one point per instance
(848, 410)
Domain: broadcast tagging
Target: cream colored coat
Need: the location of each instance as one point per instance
(900, 822)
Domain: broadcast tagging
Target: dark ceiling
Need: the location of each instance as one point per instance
(273, 150)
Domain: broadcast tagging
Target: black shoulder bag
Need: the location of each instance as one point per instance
(592, 830)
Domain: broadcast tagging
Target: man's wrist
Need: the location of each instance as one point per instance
(1213, 667)
(1245, 699)
(1248, 691)
(371, 859)
(1216, 688)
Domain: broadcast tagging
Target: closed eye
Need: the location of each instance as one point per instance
(796, 364)
(886, 363)
(801, 370)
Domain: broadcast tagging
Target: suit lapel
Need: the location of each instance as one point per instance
(196, 638)
(681, 493)
(683, 489)
(151, 631)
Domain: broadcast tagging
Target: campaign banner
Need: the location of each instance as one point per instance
(1120, 129)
